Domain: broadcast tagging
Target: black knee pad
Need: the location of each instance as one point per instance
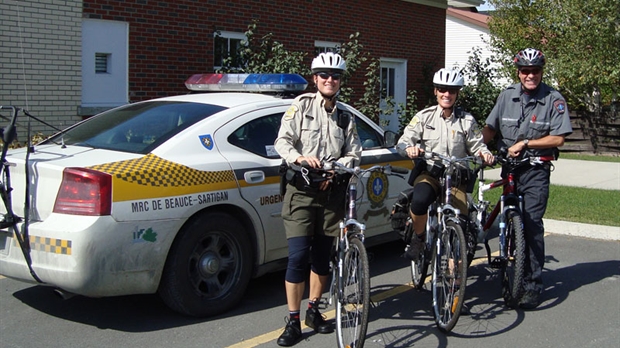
(298, 258)
(423, 196)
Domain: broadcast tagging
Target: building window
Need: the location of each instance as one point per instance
(226, 49)
(387, 82)
(325, 46)
(102, 63)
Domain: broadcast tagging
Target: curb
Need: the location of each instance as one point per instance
(582, 230)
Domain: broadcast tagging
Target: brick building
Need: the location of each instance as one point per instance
(66, 59)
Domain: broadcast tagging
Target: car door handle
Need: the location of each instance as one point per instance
(254, 177)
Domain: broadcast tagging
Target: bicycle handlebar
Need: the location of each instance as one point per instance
(357, 171)
(451, 160)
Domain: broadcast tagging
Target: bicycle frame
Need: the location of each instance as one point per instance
(350, 285)
(508, 201)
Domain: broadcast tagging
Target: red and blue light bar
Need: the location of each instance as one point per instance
(246, 83)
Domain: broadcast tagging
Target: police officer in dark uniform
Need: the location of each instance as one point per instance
(532, 119)
(313, 130)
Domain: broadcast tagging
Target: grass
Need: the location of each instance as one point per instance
(577, 204)
(586, 157)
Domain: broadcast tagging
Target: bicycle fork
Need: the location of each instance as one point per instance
(503, 256)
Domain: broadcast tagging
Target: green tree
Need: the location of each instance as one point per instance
(479, 97)
(263, 54)
(581, 39)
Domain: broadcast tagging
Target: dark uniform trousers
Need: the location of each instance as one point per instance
(533, 185)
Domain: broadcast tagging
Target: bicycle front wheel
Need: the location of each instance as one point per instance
(513, 268)
(449, 276)
(353, 296)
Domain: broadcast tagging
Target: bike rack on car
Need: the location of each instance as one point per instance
(8, 134)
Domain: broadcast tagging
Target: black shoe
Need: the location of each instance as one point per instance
(530, 300)
(465, 310)
(315, 320)
(291, 334)
(416, 247)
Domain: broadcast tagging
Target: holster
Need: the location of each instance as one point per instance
(284, 176)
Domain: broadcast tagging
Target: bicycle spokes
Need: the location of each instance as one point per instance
(353, 301)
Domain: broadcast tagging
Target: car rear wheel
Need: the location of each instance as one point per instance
(208, 267)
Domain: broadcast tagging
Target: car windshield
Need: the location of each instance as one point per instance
(137, 128)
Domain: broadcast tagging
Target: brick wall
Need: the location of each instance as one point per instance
(171, 40)
(40, 59)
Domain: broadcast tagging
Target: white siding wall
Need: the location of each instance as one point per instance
(462, 37)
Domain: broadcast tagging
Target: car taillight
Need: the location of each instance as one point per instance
(84, 192)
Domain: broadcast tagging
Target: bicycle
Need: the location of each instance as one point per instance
(350, 286)
(509, 208)
(445, 244)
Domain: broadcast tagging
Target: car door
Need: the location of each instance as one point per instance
(247, 143)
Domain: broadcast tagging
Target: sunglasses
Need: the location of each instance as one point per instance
(530, 71)
(325, 76)
(449, 90)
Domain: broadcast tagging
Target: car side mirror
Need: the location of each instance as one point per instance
(389, 138)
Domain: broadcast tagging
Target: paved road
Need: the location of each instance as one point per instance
(581, 308)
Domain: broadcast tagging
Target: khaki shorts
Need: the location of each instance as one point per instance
(306, 214)
(459, 195)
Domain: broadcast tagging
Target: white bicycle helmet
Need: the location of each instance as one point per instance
(328, 61)
(529, 57)
(447, 78)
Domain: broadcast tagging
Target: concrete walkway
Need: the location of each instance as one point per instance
(588, 174)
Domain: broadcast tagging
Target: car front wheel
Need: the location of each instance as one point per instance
(208, 267)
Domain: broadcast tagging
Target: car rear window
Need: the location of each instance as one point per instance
(137, 128)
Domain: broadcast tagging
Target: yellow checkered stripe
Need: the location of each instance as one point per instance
(152, 170)
(49, 245)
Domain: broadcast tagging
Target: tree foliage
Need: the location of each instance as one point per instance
(263, 54)
(479, 97)
(581, 39)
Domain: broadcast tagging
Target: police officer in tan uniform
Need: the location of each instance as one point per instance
(314, 130)
(532, 119)
(439, 129)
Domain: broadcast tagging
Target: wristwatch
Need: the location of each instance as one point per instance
(525, 142)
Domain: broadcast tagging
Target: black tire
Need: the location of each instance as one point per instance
(353, 304)
(471, 233)
(449, 276)
(513, 270)
(208, 267)
(419, 268)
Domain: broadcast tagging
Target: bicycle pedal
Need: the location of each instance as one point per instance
(498, 263)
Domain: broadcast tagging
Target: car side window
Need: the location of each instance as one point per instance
(258, 136)
(369, 137)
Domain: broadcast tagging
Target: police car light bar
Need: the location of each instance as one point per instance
(246, 83)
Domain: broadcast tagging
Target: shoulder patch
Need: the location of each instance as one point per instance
(415, 120)
(560, 106)
(290, 113)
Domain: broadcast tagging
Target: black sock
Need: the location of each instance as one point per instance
(293, 315)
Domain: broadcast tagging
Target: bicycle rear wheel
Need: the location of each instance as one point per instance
(419, 268)
(449, 276)
(353, 297)
(513, 269)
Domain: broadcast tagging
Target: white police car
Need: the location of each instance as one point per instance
(177, 195)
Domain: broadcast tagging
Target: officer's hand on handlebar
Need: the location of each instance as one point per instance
(488, 158)
(309, 161)
(414, 152)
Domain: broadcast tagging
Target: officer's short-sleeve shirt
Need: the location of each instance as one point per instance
(518, 116)
(453, 136)
(308, 130)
